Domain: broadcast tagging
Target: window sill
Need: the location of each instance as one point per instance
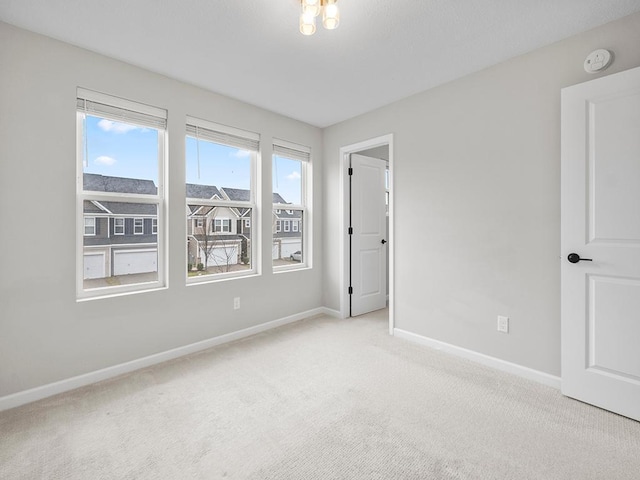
(221, 277)
(291, 268)
(112, 292)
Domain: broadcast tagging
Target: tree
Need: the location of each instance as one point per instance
(214, 243)
(202, 232)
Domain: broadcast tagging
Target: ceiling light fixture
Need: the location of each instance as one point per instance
(312, 8)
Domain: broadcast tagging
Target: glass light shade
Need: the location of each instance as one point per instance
(311, 7)
(307, 24)
(330, 16)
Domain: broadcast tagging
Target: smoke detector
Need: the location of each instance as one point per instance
(597, 61)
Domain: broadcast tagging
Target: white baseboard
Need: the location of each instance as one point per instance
(331, 312)
(498, 364)
(44, 391)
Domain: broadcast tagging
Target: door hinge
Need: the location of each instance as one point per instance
(350, 231)
(350, 170)
(350, 290)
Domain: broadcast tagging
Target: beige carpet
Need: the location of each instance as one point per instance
(320, 399)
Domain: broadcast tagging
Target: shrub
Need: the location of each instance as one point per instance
(200, 267)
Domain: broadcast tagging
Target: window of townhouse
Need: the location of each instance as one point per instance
(120, 195)
(221, 201)
(138, 226)
(90, 226)
(291, 168)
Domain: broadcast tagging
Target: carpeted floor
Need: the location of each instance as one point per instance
(319, 399)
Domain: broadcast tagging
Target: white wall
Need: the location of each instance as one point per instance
(479, 159)
(45, 335)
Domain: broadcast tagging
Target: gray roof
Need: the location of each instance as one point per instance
(103, 183)
(241, 195)
(277, 198)
(202, 191)
(128, 209)
(201, 210)
(236, 194)
(90, 207)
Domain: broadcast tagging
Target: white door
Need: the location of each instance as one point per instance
(601, 222)
(94, 265)
(290, 246)
(127, 262)
(223, 256)
(368, 240)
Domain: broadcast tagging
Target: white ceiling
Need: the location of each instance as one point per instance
(252, 50)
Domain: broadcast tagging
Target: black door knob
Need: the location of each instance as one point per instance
(383, 241)
(575, 258)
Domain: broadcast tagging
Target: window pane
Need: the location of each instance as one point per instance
(116, 254)
(212, 166)
(287, 238)
(119, 157)
(218, 240)
(89, 225)
(287, 180)
(138, 226)
(118, 226)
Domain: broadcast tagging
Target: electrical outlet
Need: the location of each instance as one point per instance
(236, 303)
(503, 324)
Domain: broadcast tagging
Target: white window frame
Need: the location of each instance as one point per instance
(115, 225)
(154, 226)
(224, 222)
(293, 151)
(93, 227)
(204, 130)
(278, 226)
(247, 223)
(294, 225)
(386, 189)
(135, 220)
(120, 110)
(286, 227)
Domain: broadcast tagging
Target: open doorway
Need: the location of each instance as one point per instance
(367, 244)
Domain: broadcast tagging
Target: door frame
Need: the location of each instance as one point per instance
(584, 376)
(344, 244)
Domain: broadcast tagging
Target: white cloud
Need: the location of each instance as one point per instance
(293, 176)
(241, 153)
(104, 160)
(115, 127)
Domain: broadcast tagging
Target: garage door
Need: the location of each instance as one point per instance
(222, 256)
(127, 262)
(290, 245)
(94, 265)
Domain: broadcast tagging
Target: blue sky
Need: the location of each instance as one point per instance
(287, 179)
(219, 165)
(121, 150)
(125, 150)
